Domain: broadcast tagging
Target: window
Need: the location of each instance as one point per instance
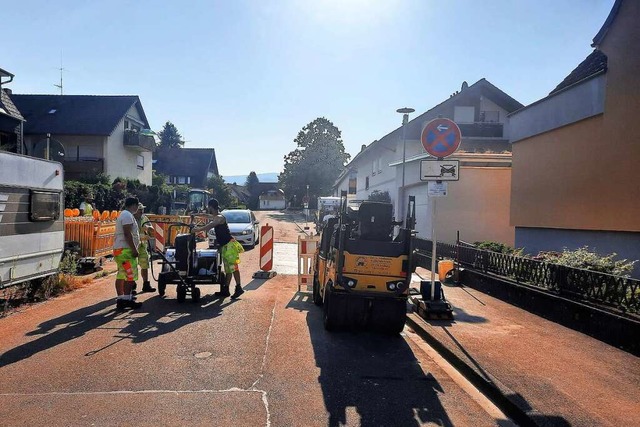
(464, 114)
(126, 124)
(182, 180)
(168, 180)
(353, 181)
(366, 183)
(135, 128)
(45, 206)
(140, 163)
(490, 116)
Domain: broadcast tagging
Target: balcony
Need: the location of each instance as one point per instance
(138, 142)
(78, 169)
(481, 130)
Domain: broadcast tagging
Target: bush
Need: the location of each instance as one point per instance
(588, 260)
(501, 248)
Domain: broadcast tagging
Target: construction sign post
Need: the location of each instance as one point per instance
(266, 253)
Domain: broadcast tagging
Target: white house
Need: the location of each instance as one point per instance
(100, 134)
(478, 204)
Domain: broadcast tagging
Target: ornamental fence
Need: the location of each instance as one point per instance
(621, 293)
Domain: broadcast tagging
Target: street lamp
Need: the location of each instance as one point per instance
(405, 119)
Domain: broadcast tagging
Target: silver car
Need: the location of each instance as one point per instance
(243, 226)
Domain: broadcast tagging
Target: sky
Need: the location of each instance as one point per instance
(244, 76)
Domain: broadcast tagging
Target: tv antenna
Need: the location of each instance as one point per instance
(61, 70)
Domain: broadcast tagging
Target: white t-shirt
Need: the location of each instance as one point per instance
(120, 241)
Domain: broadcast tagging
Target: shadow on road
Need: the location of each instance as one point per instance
(73, 325)
(140, 328)
(376, 374)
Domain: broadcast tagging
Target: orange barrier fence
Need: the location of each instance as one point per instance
(95, 237)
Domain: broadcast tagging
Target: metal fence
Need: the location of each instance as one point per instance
(605, 289)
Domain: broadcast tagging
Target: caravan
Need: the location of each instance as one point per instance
(31, 219)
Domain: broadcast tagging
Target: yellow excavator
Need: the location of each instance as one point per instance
(363, 269)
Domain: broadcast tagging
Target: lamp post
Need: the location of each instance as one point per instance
(405, 119)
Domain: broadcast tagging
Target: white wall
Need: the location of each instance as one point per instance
(121, 161)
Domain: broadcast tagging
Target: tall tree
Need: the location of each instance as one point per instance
(170, 137)
(220, 190)
(254, 190)
(317, 161)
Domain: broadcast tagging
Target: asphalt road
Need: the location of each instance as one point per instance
(264, 359)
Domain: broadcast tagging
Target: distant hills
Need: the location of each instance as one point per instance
(241, 179)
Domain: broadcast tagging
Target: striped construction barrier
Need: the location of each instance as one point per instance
(266, 253)
(266, 247)
(307, 246)
(158, 235)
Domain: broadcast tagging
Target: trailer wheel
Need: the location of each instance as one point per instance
(317, 298)
(195, 295)
(327, 318)
(181, 294)
(162, 285)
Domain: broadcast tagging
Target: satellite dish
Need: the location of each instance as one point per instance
(56, 150)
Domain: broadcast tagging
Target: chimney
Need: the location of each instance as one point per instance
(364, 146)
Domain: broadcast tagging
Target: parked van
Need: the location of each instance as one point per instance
(31, 218)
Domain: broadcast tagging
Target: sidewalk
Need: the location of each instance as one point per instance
(557, 375)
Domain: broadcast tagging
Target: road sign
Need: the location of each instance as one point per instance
(441, 137)
(436, 189)
(439, 170)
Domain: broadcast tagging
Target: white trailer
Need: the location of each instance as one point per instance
(31, 218)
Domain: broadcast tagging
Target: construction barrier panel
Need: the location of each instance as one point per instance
(165, 222)
(266, 247)
(307, 246)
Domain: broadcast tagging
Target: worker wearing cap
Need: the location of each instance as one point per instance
(146, 229)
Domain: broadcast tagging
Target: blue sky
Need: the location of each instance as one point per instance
(244, 76)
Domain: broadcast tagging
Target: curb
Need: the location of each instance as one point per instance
(497, 392)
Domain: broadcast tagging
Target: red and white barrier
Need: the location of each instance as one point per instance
(307, 246)
(158, 234)
(266, 247)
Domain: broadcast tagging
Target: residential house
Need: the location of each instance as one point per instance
(99, 134)
(272, 199)
(190, 166)
(240, 192)
(478, 204)
(11, 121)
(576, 152)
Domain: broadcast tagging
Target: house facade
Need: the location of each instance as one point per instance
(99, 134)
(576, 152)
(188, 166)
(478, 204)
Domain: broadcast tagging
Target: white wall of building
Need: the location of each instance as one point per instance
(121, 161)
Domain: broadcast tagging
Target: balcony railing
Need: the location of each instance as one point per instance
(481, 130)
(139, 142)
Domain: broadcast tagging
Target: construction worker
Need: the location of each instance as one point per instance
(145, 229)
(125, 254)
(230, 249)
(86, 207)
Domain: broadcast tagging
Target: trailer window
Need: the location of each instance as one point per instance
(45, 206)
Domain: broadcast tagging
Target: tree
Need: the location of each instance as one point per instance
(170, 137)
(254, 190)
(317, 161)
(220, 190)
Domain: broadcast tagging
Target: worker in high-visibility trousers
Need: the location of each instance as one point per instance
(145, 229)
(230, 249)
